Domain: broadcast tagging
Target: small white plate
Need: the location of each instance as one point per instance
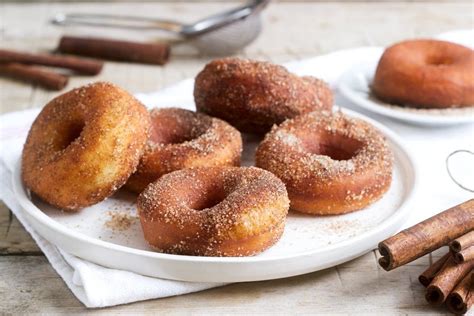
(308, 244)
(355, 83)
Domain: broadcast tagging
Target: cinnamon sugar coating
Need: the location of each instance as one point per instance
(329, 162)
(426, 74)
(254, 95)
(84, 145)
(216, 211)
(184, 139)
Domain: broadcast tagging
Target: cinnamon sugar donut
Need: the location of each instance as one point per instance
(329, 162)
(253, 95)
(184, 139)
(426, 74)
(84, 145)
(216, 211)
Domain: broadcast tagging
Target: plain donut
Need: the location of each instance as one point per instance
(426, 74)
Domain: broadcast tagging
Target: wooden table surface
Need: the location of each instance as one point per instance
(291, 30)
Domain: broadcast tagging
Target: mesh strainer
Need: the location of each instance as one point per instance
(218, 34)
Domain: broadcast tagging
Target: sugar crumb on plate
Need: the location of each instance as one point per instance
(119, 221)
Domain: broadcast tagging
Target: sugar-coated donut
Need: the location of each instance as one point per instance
(84, 145)
(254, 95)
(426, 74)
(214, 211)
(329, 162)
(183, 139)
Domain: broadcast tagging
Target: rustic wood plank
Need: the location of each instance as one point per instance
(14, 239)
(354, 287)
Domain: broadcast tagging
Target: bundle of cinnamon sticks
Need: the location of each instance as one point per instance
(450, 279)
(24, 66)
(19, 65)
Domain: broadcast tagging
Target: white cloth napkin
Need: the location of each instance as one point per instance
(97, 286)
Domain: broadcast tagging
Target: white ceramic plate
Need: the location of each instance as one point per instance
(308, 244)
(355, 83)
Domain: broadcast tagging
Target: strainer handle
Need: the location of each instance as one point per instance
(117, 21)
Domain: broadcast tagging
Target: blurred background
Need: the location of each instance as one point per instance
(289, 30)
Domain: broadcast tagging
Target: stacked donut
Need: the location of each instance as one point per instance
(194, 199)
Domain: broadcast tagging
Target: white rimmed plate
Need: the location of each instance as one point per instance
(354, 85)
(308, 243)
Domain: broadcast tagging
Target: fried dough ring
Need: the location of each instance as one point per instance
(184, 139)
(253, 95)
(329, 162)
(84, 145)
(426, 74)
(216, 211)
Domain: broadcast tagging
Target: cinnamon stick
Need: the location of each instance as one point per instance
(446, 280)
(461, 298)
(89, 67)
(428, 275)
(462, 242)
(45, 78)
(147, 53)
(464, 255)
(427, 236)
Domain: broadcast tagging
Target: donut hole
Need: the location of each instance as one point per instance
(170, 129)
(70, 133)
(168, 137)
(208, 199)
(201, 194)
(335, 146)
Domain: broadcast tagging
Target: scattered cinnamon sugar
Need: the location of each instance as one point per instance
(339, 227)
(283, 152)
(452, 111)
(120, 221)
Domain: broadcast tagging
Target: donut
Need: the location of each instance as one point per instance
(254, 95)
(426, 74)
(84, 145)
(329, 162)
(214, 211)
(184, 139)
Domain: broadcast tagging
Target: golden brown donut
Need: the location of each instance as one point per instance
(84, 145)
(183, 139)
(329, 162)
(426, 74)
(253, 95)
(214, 211)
